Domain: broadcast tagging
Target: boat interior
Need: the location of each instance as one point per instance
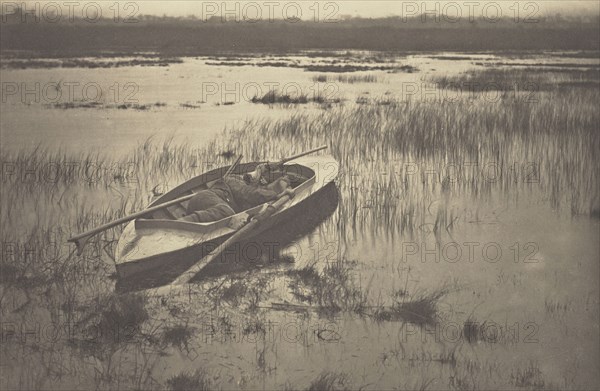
(301, 177)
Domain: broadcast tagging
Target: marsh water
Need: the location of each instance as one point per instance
(505, 258)
(196, 95)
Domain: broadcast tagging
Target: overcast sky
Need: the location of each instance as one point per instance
(370, 8)
(326, 9)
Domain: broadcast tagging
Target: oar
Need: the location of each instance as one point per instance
(81, 239)
(271, 208)
(287, 159)
(232, 167)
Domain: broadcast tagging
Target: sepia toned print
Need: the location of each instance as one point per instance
(294, 195)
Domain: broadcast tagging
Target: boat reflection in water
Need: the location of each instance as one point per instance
(262, 250)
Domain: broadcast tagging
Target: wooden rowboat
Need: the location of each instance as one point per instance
(159, 242)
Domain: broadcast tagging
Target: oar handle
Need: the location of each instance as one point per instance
(287, 159)
(271, 208)
(233, 166)
(81, 239)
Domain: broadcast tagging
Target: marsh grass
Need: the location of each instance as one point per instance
(178, 336)
(234, 293)
(476, 149)
(462, 382)
(347, 68)
(116, 331)
(199, 380)
(556, 307)
(336, 289)
(420, 308)
(333, 66)
(332, 290)
(350, 79)
(274, 97)
(530, 80)
(84, 63)
(404, 69)
(242, 291)
(529, 376)
(472, 330)
(329, 381)
(116, 320)
(47, 196)
(100, 105)
(386, 153)
(188, 105)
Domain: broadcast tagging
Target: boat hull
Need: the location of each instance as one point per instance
(168, 248)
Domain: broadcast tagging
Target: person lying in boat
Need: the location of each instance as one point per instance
(232, 195)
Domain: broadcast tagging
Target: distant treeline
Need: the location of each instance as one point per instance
(185, 36)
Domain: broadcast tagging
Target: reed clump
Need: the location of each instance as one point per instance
(528, 79)
(275, 97)
(330, 381)
(331, 290)
(350, 79)
(199, 380)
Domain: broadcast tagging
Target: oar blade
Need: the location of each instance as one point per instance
(79, 243)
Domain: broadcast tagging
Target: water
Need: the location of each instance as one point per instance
(526, 273)
(27, 121)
